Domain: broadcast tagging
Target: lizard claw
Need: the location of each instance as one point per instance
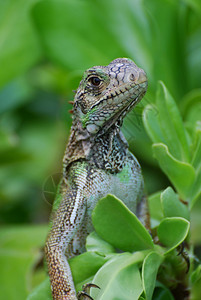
(185, 256)
(84, 294)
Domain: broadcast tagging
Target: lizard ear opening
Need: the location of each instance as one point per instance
(92, 128)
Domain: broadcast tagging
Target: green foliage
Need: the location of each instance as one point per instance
(19, 252)
(173, 146)
(110, 214)
(20, 48)
(150, 267)
(45, 47)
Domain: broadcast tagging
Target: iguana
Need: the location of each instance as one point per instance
(95, 163)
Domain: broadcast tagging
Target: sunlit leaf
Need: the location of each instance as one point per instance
(172, 206)
(20, 249)
(109, 214)
(86, 265)
(181, 174)
(150, 267)
(20, 47)
(173, 231)
(155, 209)
(119, 278)
(96, 244)
(42, 291)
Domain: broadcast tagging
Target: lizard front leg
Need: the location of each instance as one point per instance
(66, 222)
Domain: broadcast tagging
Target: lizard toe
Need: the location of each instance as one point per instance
(84, 294)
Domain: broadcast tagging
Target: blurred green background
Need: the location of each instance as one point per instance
(44, 48)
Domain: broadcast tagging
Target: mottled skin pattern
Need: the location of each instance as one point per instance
(96, 162)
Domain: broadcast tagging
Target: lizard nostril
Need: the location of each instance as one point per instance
(142, 77)
(132, 77)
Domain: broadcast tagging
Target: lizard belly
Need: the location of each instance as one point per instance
(127, 185)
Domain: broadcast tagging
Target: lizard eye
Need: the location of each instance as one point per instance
(95, 81)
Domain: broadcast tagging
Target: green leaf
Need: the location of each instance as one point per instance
(172, 232)
(181, 174)
(96, 244)
(196, 275)
(149, 272)
(171, 124)
(191, 106)
(109, 214)
(164, 124)
(196, 283)
(195, 5)
(112, 28)
(86, 265)
(161, 292)
(155, 209)
(151, 123)
(42, 291)
(196, 159)
(119, 278)
(196, 190)
(134, 132)
(64, 33)
(196, 224)
(19, 251)
(19, 44)
(16, 94)
(171, 205)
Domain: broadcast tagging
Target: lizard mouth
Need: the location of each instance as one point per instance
(117, 119)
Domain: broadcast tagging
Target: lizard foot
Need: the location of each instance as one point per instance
(185, 256)
(84, 294)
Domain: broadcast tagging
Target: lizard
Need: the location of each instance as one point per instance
(95, 162)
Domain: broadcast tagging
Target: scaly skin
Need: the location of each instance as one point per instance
(96, 162)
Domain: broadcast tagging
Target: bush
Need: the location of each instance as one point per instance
(46, 45)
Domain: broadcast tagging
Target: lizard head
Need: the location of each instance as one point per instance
(107, 93)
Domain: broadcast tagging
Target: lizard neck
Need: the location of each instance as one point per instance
(106, 151)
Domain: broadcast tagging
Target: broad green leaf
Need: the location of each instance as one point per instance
(19, 251)
(196, 283)
(86, 265)
(16, 93)
(194, 48)
(196, 190)
(96, 244)
(171, 124)
(151, 123)
(164, 124)
(161, 292)
(195, 5)
(196, 159)
(168, 49)
(113, 29)
(109, 214)
(196, 224)
(20, 47)
(196, 275)
(150, 267)
(172, 232)
(155, 209)
(172, 206)
(181, 174)
(119, 278)
(42, 291)
(191, 107)
(134, 132)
